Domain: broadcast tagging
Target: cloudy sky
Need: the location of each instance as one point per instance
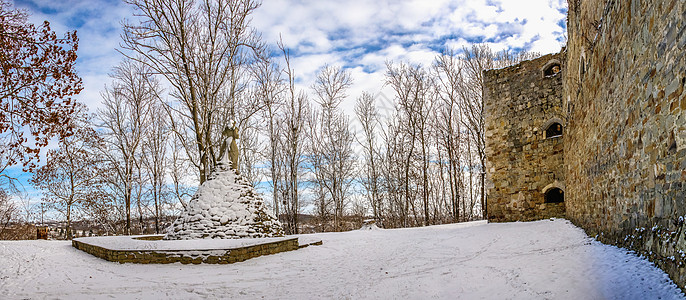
(359, 35)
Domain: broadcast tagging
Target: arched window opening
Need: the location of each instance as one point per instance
(554, 195)
(554, 130)
(552, 70)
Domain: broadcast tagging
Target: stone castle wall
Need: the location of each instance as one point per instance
(522, 163)
(625, 147)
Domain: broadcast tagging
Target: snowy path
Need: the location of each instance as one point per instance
(535, 260)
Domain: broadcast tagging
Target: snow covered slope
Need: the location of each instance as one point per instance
(534, 260)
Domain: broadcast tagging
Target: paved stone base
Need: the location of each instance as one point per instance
(215, 256)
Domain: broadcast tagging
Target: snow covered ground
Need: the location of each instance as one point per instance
(533, 260)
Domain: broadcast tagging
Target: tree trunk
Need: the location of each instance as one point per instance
(68, 232)
(157, 212)
(127, 200)
(425, 178)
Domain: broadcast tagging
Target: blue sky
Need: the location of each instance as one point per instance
(359, 35)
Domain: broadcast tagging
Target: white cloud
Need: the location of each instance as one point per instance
(360, 35)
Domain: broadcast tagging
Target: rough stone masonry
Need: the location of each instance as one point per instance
(524, 137)
(625, 151)
(625, 134)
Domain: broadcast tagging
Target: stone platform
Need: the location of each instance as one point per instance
(151, 249)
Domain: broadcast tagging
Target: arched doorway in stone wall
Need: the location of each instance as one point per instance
(554, 192)
(554, 195)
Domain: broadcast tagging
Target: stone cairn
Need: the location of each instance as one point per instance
(226, 205)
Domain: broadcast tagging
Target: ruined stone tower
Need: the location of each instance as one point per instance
(524, 140)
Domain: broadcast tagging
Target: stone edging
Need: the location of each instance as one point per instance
(216, 256)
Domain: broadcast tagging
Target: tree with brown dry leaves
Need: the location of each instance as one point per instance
(37, 81)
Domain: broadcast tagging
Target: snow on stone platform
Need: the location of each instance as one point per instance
(131, 243)
(533, 260)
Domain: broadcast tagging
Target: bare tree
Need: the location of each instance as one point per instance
(72, 176)
(448, 74)
(367, 115)
(103, 211)
(414, 92)
(155, 159)
(395, 185)
(8, 213)
(202, 49)
(125, 117)
(250, 146)
(331, 153)
(179, 168)
(293, 136)
(27, 209)
(269, 88)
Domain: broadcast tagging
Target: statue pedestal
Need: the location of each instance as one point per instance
(226, 206)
